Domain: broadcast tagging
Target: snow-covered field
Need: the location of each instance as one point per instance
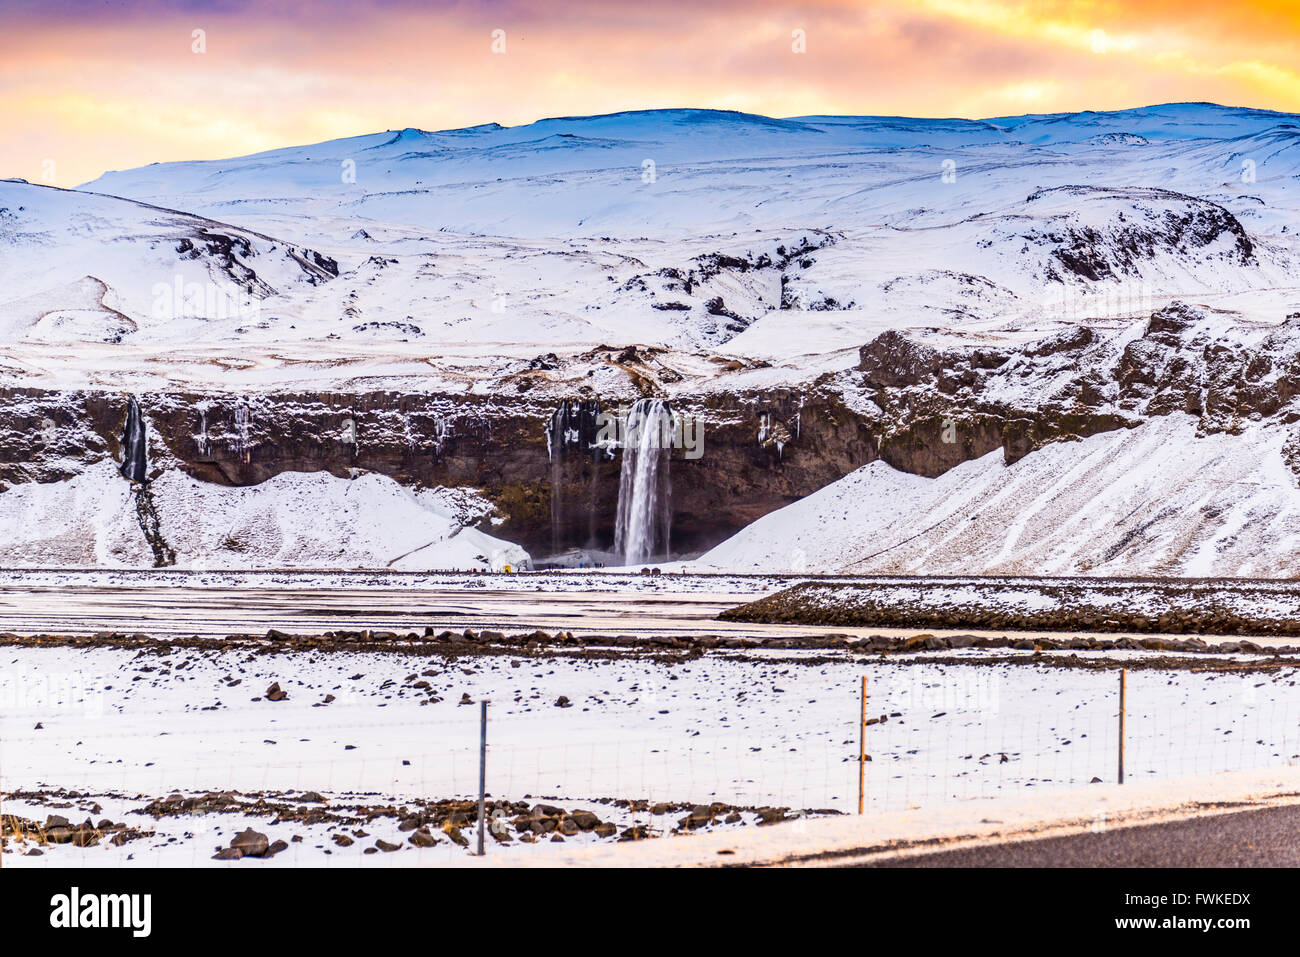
(367, 731)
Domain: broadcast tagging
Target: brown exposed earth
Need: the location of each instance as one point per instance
(1164, 651)
(352, 823)
(855, 605)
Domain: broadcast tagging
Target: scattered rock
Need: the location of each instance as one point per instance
(585, 820)
(249, 843)
(422, 837)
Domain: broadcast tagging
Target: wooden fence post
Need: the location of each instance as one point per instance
(862, 747)
(1123, 689)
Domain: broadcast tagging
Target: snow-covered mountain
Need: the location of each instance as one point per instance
(91, 268)
(827, 292)
(698, 229)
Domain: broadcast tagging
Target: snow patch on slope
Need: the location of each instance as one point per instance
(296, 519)
(1154, 500)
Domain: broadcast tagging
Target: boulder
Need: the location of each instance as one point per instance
(250, 843)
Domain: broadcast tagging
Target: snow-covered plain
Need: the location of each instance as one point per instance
(777, 729)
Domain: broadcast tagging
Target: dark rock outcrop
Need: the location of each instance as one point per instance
(941, 404)
(922, 402)
(761, 450)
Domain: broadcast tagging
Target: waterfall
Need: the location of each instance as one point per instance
(134, 465)
(243, 419)
(135, 468)
(641, 526)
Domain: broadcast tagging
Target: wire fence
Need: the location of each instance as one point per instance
(936, 734)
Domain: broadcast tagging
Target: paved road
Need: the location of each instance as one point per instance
(1268, 837)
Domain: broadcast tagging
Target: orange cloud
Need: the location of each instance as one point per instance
(87, 91)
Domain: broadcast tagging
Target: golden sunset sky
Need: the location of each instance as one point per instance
(86, 87)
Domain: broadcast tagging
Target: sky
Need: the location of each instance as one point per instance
(91, 86)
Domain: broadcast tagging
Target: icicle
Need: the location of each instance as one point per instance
(243, 420)
(201, 440)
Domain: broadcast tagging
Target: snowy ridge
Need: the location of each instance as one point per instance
(568, 231)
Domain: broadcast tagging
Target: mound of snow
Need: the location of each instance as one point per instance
(294, 520)
(1154, 500)
(1166, 121)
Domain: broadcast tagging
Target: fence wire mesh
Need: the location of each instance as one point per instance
(355, 783)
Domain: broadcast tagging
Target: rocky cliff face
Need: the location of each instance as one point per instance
(1105, 233)
(922, 403)
(935, 405)
(761, 450)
